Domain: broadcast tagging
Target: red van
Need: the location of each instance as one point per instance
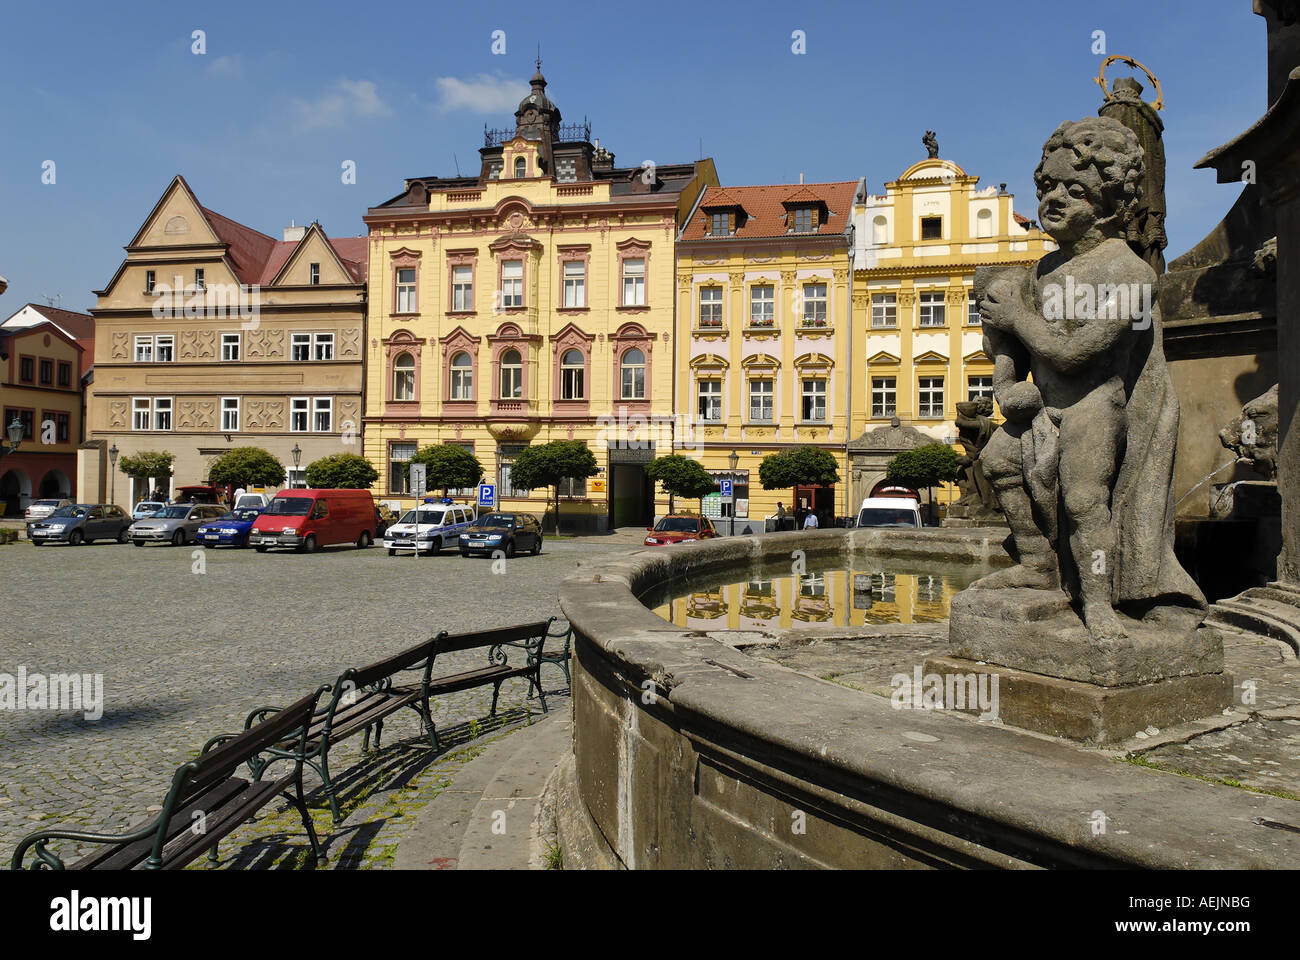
(307, 519)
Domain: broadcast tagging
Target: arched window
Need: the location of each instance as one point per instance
(462, 377)
(512, 375)
(572, 367)
(521, 167)
(404, 377)
(633, 375)
(879, 231)
(984, 223)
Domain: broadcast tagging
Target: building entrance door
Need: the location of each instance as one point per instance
(631, 497)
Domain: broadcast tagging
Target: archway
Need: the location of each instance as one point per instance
(15, 492)
(55, 483)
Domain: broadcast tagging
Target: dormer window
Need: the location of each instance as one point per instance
(803, 219)
(720, 224)
(521, 167)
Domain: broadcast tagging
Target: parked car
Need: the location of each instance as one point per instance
(680, 528)
(307, 519)
(199, 493)
(251, 501)
(146, 508)
(229, 530)
(39, 509)
(79, 523)
(889, 512)
(438, 525)
(507, 532)
(177, 524)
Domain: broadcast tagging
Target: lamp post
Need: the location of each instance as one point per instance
(732, 460)
(15, 431)
(296, 452)
(112, 473)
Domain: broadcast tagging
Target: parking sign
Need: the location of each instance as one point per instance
(487, 495)
(417, 478)
(724, 487)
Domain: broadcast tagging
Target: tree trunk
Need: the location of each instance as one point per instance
(557, 509)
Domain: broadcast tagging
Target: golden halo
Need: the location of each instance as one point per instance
(1101, 78)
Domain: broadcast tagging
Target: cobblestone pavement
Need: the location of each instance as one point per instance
(186, 655)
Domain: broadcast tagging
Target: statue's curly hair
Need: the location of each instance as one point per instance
(1110, 147)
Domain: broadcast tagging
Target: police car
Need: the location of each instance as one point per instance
(438, 524)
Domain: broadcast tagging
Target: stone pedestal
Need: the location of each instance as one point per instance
(1055, 678)
(1088, 712)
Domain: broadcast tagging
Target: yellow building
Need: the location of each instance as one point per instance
(532, 302)
(917, 344)
(213, 335)
(763, 337)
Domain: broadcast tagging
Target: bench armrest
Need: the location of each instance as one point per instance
(46, 859)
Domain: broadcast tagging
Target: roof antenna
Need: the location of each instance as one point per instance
(457, 162)
(539, 58)
(49, 300)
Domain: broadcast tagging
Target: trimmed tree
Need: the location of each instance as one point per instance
(147, 465)
(341, 471)
(548, 464)
(446, 466)
(246, 466)
(924, 468)
(804, 467)
(681, 476)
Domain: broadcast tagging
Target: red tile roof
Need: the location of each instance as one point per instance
(765, 206)
(78, 325)
(249, 248)
(353, 251)
(1023, 221)
(719, 197)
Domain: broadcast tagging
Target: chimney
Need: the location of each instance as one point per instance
(801, 178)
(292, 232)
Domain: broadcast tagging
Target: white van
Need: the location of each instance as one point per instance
(889, 512)
(251, 501)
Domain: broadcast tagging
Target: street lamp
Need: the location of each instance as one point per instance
(297, 458)
(15, 431)
(733, 459)
(112, 473)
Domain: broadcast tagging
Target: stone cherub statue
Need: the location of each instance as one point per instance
(1083, 465)
(931, 144)
(974, 429)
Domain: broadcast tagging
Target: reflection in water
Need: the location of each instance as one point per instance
(826, 597)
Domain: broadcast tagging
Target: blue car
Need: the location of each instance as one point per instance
(228, 531)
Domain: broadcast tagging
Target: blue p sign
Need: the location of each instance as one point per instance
(487, 495)
(725, 487)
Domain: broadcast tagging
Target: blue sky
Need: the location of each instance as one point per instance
(285, 93)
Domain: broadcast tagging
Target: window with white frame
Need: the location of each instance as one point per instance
(762, 305)
(150, 281)
(932, 309)
(164, 348)
(322, 346)
(297, 478)
(634, 282)
(814, 304)
(230, 346)
(141, 408)
(973, 310)
(323, 414)
(710, 306)
(572, 367)
(512, 283)
(406, 290)
(506, 454)
(930, 397)
(760, 400)
(521, 167)
(229, 414)
(884, 396)
(144, 349)
(462, 287)
(314, 274)
(199, 285)
(575, 283)
(813, 408)
(633, 375)
(710, 400)
(512, 375)
(298, 414)
(162, 413)
(977, 387)
(462, 377)
(884, 310)
(404, 377)
(399, 455)
(300, 347)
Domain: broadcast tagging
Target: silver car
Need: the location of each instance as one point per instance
(79, 523)
(177, 524)
(40, 509)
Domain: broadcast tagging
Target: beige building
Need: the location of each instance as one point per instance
(213, 335)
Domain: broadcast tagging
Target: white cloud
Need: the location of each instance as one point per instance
(348, 99)
(480, 94)
(227, 66)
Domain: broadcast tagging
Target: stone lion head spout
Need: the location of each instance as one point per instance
(1090, 174)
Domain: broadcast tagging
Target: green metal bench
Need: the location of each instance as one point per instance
(206, 802)
(561, 656)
